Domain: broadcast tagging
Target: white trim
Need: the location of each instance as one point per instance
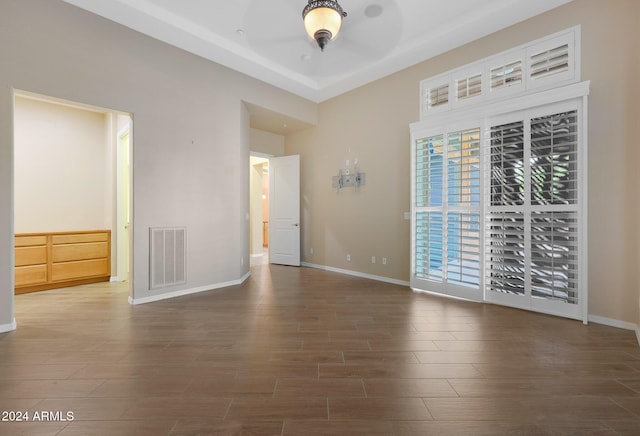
(615, 323)
(183, 292)
(571, 37)
(505, 106)
(4, 328)
(357, 274)
(261, 155)
(449, 296)
(584, 207)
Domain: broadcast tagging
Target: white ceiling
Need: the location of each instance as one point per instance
(266, 39)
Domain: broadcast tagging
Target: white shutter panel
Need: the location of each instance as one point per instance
(469, 87)
(506, 75)
(438, 95)
(506, 155)
(549, 62)
(463, 207)
(554, 159)
(447, 220)
(554, 256)
(429, 249)
(533, 216)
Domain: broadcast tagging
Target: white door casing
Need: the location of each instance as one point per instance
(284, 210)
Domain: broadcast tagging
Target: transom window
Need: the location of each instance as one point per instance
(497, 186)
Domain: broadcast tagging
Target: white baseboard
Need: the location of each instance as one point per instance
(616, 323)
(357, 274)
(613, 323)
(183, 292)
(4, 328)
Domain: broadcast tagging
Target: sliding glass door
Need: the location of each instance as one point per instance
(497, 209)
(447, 227)
(532, 216)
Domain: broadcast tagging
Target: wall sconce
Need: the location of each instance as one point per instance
(348, 179)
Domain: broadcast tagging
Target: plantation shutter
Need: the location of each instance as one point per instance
(533, 220)
(447, 221)
(499, 211)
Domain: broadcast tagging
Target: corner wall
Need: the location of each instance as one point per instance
(371, 124)
(191, 139)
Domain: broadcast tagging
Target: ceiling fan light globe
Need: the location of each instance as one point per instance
(322, 19)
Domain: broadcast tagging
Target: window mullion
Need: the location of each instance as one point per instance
(527, 206)
(445, 206)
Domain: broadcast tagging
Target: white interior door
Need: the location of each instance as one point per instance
(284, 210)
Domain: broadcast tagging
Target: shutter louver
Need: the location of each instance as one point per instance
(463, 248)
(549, 62)
(554, 159)
(463, 165)
(506, 75)
(438, 95)
(554, 256)
(469, 87)
(430, 171)
(507, 164)
(506, 252)
(429, 249)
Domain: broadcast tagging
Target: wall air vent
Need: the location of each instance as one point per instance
(167, 253)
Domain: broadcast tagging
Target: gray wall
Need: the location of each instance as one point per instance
(191, 132)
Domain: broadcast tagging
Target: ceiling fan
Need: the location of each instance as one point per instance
(276, 31)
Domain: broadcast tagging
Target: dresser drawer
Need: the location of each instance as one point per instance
(30, 256)
(30, 275)
(73, 252)
(78, 270)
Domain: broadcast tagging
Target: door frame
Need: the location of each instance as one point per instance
(261, 156)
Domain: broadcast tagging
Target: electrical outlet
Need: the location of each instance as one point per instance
(373, 259)
(348, 258)
(311, 250)
(384, 260)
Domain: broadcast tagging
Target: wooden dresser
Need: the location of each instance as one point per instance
(56, 260)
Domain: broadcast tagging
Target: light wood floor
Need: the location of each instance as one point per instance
(297, 351)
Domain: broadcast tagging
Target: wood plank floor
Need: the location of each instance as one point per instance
(297, 351)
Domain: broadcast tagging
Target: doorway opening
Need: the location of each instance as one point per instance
(72, 186)
(259, 208)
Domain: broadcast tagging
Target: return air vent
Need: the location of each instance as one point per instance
(167, 253)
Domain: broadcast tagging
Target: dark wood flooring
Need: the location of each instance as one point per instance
(297, 351)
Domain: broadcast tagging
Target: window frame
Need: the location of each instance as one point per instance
(568, 96)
